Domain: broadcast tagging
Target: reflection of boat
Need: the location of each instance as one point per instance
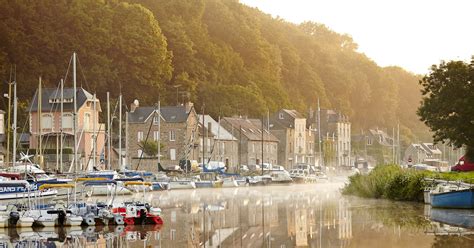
(454, 217)
(453, 199)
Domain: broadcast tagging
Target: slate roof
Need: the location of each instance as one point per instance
(171, 114)
(221, 132)
(381, 137)
(251, 128)
(429, 147)
(288, 121)
(48, 94)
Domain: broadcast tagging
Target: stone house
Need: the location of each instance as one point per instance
(88, 128)
(296, 141)
(375, 144)
(249, 135)
(335, 136)
(224, 145)
(178, 135)
(426, 153)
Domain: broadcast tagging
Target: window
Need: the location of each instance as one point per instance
(156, 135)
(156, 120)
(173, 234)
(140, 136)
(172, 135)
(47, 122)
(253, 147)
(67, 121)
(280, 115)
(87, 120)
(369, 141)
(208, 144)
(201, 145)
(139, 153)
(222, 147)
(173, 154)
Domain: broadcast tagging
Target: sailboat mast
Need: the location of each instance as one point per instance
(74, 80)
(40, 128)
(159, 132)
(108, 131)
(62, 128)
(203, 140)
(321, 157)
(120, 133)
(94, 133)
(15, 111)
(261, 163)
(9, 117)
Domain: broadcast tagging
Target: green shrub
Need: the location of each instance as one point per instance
(388, 181)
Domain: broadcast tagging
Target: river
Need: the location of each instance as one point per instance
(311, 215)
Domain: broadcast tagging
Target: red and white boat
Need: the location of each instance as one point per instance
(138, 213)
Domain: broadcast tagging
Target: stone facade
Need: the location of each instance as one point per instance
(335, 136)
(248, 132)
(296, 143)
(224, 146)
(178, 135)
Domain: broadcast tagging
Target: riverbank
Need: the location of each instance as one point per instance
(395, 183)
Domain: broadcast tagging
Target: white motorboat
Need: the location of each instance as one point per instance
(181, 184)
(11, 216)
(55, 215)
(280, 176)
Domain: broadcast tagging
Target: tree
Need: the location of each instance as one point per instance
(448, 103)
(150, 147)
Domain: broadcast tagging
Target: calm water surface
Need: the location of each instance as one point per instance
(277, 216)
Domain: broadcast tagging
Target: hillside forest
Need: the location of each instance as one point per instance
(234, 59)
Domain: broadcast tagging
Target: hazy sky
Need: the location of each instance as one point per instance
(413, 34)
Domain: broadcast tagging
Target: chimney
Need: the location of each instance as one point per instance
(135, 104)
(189, 106)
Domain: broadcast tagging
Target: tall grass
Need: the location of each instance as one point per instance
(393, 182)
(389, 182)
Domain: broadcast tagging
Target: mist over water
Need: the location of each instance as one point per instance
(306, 215)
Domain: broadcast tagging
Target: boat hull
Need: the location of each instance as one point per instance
(182, 185)
(453, 199)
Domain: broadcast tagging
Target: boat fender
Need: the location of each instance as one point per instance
(119, 220)
(89, 221)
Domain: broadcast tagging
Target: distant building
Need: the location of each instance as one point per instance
(249, 135)
(374, 144)
(335, 136)
(178, 135)
(426, 153)
(53, 125)
(225, 145)
(296, 141)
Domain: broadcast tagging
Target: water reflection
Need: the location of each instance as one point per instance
(277, 216)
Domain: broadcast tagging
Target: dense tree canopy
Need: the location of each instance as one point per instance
(232, 58)
(448, 103)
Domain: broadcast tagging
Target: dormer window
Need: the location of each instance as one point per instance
(156, 120)
(280, 115)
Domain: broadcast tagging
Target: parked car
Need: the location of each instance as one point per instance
(463, 165)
